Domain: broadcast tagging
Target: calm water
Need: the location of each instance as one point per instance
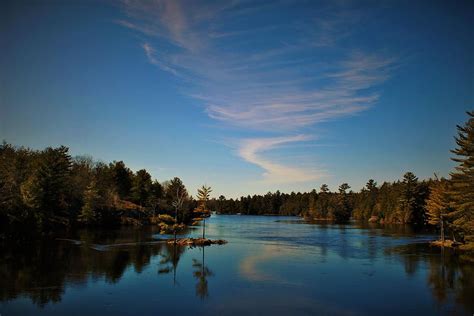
(271, 265)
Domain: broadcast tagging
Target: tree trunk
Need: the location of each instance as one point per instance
(442, 230)
(175, 223)
(203, 228)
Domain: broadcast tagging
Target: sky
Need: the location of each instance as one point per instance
(244, 96)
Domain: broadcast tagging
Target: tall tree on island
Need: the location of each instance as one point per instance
(462, 183)
(175, 195)
(202, 210)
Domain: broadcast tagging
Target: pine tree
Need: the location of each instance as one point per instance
(122, 177)
(373, 192)
(46, 191)
(411, 203)
(313, 197)
(437, 205)
(156, 194)
(202, 211)
(462, 188)
(141, 188)
(324, 188)
(91, 204)
(342, 212)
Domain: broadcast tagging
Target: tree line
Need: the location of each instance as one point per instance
(447, 204)
(48, 188)
(400, 202)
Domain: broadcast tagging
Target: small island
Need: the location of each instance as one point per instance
(195, 242)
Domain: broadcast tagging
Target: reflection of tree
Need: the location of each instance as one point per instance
(119, 264)
(40, 269)
(170, 259)
(448, 275)
(202, 272)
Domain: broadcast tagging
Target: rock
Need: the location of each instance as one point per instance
(373, 219)
(193, 242)
(447, 243)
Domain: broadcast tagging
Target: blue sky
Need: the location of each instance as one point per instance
(245, 96)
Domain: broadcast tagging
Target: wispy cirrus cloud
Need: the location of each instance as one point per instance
(283, 76)
(152, 58)
(251, 151)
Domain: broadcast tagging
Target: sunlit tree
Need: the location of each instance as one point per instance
(438, 205)
(91, 204)
(202, 210)
(462, 180)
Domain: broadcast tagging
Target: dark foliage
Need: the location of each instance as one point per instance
(47, 189)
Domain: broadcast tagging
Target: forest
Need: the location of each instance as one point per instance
(49, 188)
(446, 204)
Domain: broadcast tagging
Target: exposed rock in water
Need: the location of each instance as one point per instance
(197, 242)
(447, 243)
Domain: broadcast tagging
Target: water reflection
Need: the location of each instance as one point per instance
(250, 266)
(281, 260)
(41, 269)
(201, 273)
(449, 277)
(170, 260)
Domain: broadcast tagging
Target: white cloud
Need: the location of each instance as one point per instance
(248, 79)
(151, 55)
(251, 150)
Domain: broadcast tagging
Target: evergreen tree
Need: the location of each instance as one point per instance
(342, 212)
(365, 201)
(141, 187)
(437, 205)
(372, 190)
(313, 197)
(221, 204)
(15, 168)
(82, 173)
(324, 188)
(462, 188)
(46, 190)
(156, 194)
(202, 210)
(89, 213)
(322, 203)
(371, 185)
(410, 208)
(122, 177)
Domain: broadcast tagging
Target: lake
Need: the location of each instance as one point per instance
(271, 265)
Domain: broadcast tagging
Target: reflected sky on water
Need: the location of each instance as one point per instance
(271, 265)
